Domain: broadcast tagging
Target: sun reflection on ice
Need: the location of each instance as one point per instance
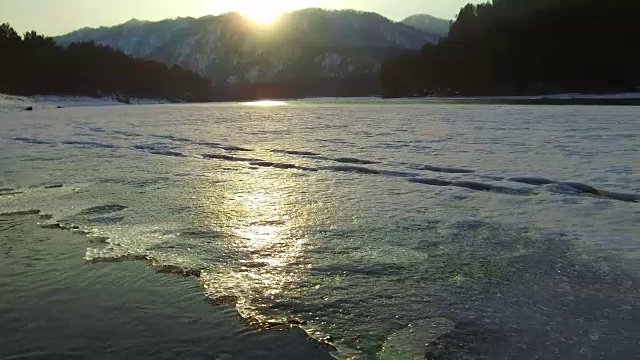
(262, 217)
(265, 103)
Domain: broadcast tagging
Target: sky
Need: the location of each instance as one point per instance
(57, 17)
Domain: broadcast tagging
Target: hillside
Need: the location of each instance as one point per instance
(526, 47)
(34, 65)
(429, 24)
(230, 49)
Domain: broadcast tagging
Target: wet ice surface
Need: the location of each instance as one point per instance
(54, 305)
(397, 229)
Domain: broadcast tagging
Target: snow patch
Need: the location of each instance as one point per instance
(16, 103)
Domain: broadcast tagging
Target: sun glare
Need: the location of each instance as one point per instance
(260, 11)
(262, 14)
(265, 103)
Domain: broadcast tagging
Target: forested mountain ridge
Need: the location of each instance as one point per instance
(34, 65)
(518, 47)
(300, 46)
(429, 24)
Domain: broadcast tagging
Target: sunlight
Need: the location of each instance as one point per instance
(260, 217)
(263, 13)
(265, 103)
(260, 11)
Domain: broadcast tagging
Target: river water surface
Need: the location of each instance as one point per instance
(389, 229)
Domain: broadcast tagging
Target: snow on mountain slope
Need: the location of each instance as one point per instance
(232, 49)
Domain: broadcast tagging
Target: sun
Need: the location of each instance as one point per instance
(260, 11)
(262, 14)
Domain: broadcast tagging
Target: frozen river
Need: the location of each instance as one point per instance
(398, 229)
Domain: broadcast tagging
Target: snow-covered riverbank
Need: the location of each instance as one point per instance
(12, 102)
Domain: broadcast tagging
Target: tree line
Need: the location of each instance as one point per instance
(526, 47)
(34, 65)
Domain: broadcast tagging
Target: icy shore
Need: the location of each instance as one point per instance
(13, 102)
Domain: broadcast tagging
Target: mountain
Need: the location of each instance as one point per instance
(429, 24)
(230, 49)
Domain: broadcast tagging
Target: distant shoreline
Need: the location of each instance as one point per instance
(627, 99)
(541, 101)
(630, 98)
(17, 102)
(14, 102)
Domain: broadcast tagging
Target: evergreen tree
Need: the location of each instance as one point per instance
(34, 64)
(527, 47)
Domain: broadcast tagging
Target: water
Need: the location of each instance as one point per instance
(401, 230)
(55, 306)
